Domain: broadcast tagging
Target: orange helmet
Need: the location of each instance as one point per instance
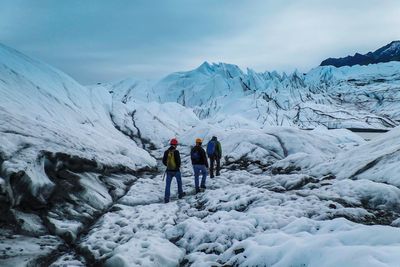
(174, 142)
(199, 140)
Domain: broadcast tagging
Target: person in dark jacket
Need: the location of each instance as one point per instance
(214, 152)
(200, 164)
(172, 160)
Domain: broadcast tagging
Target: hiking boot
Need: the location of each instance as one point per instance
(212, 176)
(182, 195)
(197, 190)
(166, 201)
(203, 187)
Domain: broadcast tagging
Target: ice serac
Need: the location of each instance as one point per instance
(372, 89)
(347, 97)
(198, 86)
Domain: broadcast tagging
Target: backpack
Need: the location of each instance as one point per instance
(195, 155)
(171, 163)
(211, 146)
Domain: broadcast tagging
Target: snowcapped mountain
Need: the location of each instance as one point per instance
(389, 52)
(81, 183)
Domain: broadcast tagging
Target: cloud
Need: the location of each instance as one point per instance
(108, 40)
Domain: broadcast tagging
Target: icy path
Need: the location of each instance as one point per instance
(242, 219)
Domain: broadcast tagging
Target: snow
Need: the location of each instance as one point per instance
(18, 250)
(247, 205)
(375, 160)
(307, 242)
(136, 196)
(72, 161)
(168, 120)
(396, 223)
(2, 186)
(47, 111)
(95, 193)
(146, 250)
(118, 227)
(66, 227)
(251, 215)
(243, 207)
(30, 223)
(363, 193)
(69, 259)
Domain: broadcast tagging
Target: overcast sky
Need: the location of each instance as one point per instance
(111, 40)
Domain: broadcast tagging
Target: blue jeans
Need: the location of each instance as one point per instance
(170, 175)
(197, 169)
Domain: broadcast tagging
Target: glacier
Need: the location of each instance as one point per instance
(348, 97)
(81, 182)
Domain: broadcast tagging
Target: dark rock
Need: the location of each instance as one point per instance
(389, 52)
(238, 251)
(287, 170)
(332, 206)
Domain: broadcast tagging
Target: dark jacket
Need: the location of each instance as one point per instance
(177, 157)
(202, 159)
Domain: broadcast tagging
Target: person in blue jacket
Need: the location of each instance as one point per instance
(214, 152)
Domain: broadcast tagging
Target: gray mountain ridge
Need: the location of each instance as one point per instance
(387, 53)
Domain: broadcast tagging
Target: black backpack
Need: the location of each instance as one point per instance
(195, 154)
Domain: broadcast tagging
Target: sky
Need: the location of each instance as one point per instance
(99, 40)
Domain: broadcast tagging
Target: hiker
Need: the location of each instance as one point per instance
(214, 152)
(200, 164)
(172, 160)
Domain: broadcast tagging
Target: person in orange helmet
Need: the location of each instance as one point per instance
(172, 160)
(200, 164)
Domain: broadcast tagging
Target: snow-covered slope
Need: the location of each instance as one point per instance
(45, 112)
(376, 161)
(150, 124)
(57, 143)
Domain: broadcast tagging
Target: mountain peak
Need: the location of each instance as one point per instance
(204, 67)
(225, 69)
(389, 52)
(392, 48)
(395, 43)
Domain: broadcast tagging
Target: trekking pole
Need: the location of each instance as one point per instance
(163, 177)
